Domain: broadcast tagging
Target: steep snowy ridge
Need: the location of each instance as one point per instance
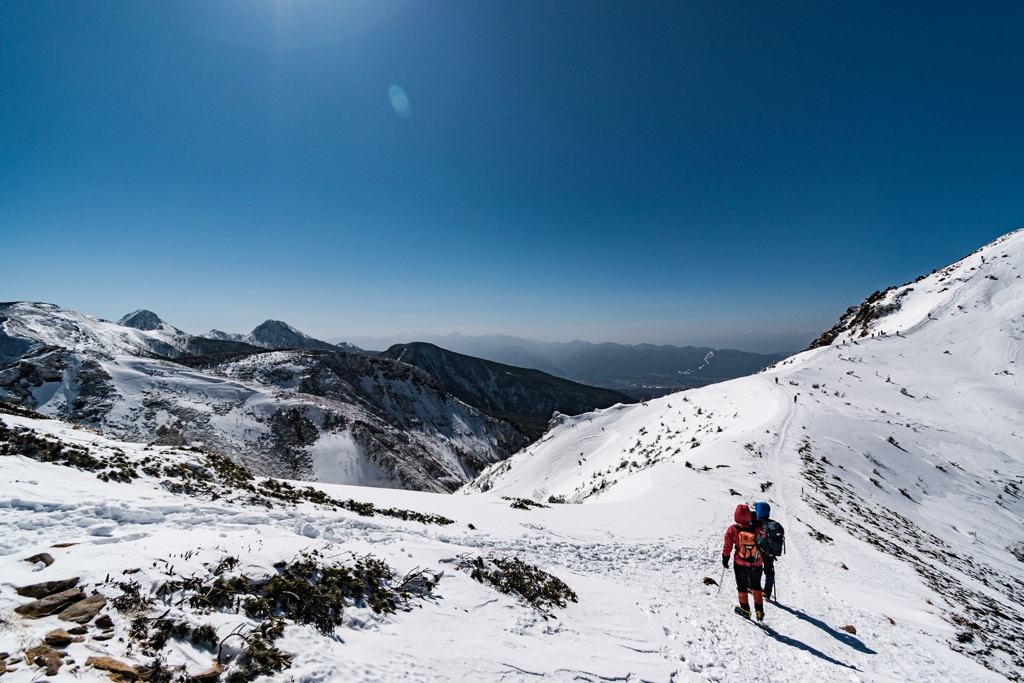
(988, 272)
(26, 324)
(904, 434)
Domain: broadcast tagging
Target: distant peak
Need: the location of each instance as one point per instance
(275, 325)
(274, 334)
(142, 320)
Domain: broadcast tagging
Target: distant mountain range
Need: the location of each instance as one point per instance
(642, 371)
(279, 400)
(525, 397)
(415, 415)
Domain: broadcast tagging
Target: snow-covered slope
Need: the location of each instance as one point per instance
(894, 448)
(25, 325)
(642, 613)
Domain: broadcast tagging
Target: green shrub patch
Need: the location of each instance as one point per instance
(210, 476)
(510, 575)
(307, 590)
(19, 441)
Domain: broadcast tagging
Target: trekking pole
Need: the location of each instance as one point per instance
(721, 579)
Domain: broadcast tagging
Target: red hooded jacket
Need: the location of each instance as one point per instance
(732, 538)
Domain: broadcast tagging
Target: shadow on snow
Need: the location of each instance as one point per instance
(793, 642)
(844, 638)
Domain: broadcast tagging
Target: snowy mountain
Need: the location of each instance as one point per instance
(147, 321)
(325, 415)
(274, 334)
(892, 449)
(32, 325)
(896, 471)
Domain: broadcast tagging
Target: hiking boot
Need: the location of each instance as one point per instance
(743, 611)
(759, 610)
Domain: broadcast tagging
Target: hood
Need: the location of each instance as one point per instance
(742, 515)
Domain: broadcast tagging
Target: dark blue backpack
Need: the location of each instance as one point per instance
(773, 543)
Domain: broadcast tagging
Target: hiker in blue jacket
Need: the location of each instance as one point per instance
(773, 545)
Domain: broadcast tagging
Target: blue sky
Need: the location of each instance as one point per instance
(735, 173)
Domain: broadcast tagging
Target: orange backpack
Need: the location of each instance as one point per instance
(746, 547)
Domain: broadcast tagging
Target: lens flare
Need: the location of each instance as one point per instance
(399, 101)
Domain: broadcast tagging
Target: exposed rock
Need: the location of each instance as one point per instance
(103, 636)
(51, 604)
(1017, 550)
(45, 558)
(45, 657)
(3, 667)
(105, 621)
(58, 638)
(211, 675)
(78, 631)
(41, 590)
(848, 629)
(112, 665)
(83, 612)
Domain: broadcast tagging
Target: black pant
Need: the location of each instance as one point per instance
(747, 578)
(769, 567)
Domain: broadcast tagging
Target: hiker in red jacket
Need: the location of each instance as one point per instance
(748, 562)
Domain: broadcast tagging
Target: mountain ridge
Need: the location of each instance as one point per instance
(525, 396)
(317, 412)
(639, 370)
(899, 433)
